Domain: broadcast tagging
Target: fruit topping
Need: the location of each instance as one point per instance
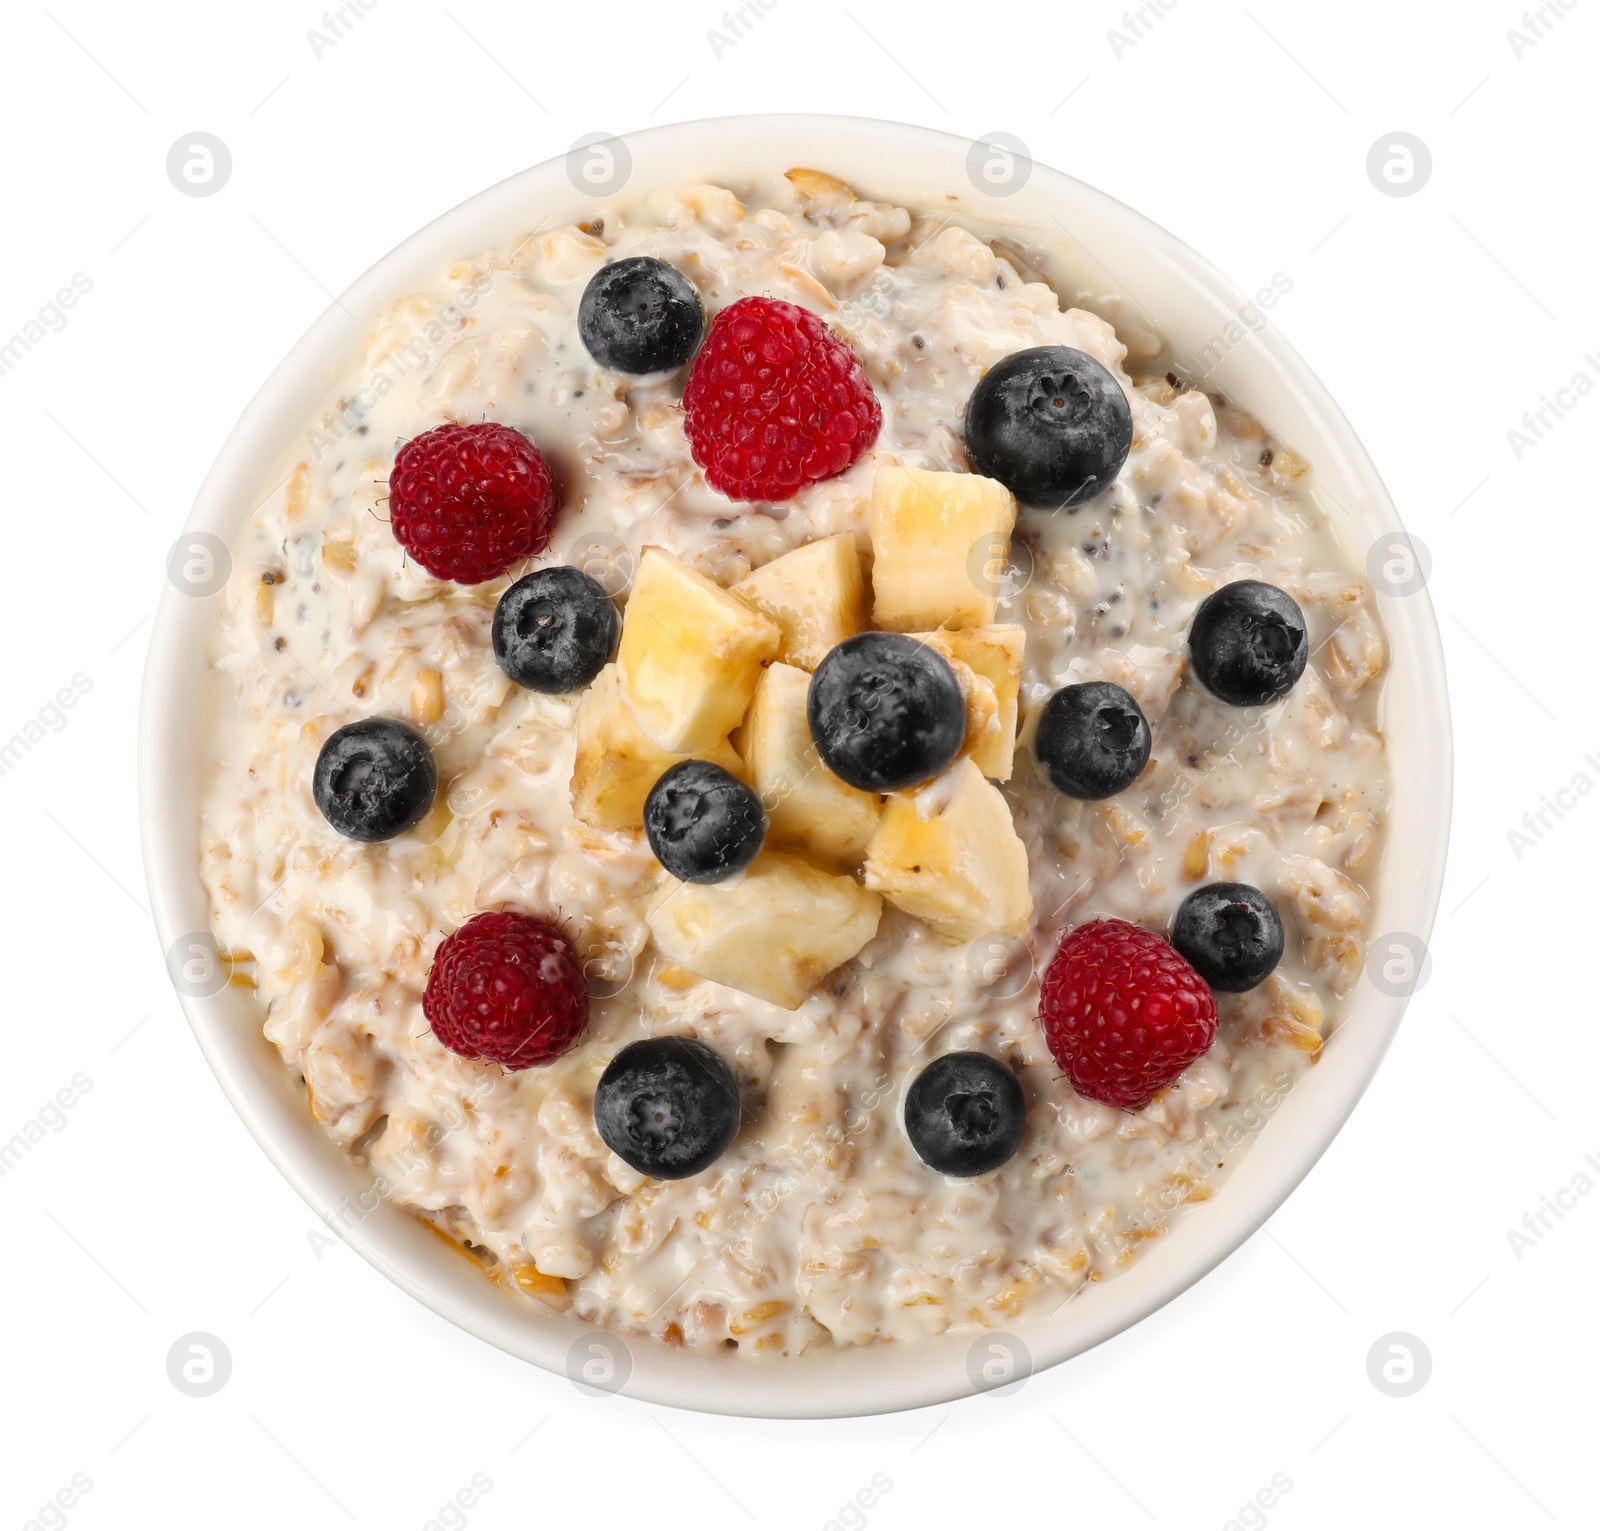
(808, 807)
(1051, 424)
(507, 988)
(774, 402)
(886, 712)
(640, 316)
(691, 654)
(1248, 643)
(775, 931)
(616, 763)
(555, 630)
(939, 543)
(1230, 933)
(993, 654)
(667, 1106)
(374, 779)
(815, 594)
(703, 823)
(1123, 1014)
(965, 1114)
(1092, 740)
(467, 501)
(951, 856)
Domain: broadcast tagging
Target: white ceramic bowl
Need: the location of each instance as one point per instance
(1111, 249)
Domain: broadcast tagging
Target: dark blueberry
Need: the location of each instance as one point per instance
(1092, 740)
(703, 823)
(1051, 424)
(1247, 643)
(1230, 934)
(668, 1106)
(640, 315)
(555, 630)
(886, 712)
(965, 1114)
(374, 779)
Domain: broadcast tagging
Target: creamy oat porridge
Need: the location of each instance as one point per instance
(880, 929)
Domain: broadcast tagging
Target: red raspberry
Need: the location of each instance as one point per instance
(1123, 1013)
(775, 402)
(506, 987)
(467, 501)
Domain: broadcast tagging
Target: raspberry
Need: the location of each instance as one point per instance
(467, 501)
(775, 402)
(1123, 1014)
(506, 987)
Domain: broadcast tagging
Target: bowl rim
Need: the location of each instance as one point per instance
(879, 1379)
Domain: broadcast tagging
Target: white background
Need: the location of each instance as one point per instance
(1437, 319)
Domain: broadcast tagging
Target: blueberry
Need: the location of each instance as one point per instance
(703, 823)
(1092, 740)
(1051, 424)
(640, 315)
(965, 1114)
(1247, 643)
(374, 779)
(886, 712)
(1230, 935)
(668, 1106)
(555, 630)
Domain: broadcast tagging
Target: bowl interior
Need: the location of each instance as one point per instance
(1091, 241)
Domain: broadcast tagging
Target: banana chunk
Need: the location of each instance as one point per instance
(994, 654)
(691, 654)
(774, 931)
(808, 807)
(816, 596)
(617, 763)
(936, 540)
(950, 855)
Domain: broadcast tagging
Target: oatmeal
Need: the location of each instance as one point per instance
(819, 1225)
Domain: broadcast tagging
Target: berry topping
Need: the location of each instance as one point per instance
(1092, 740)
(1231, 933)
(374, 779)
(668, 1106)
(1051, 424)
(774, 402)
(1123, 1014)
(1247, 643)
(965, 1114)
(554, 630)
(703, 823)
(640, 316)
(886, 712)
(467, 501)
(507, 988)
